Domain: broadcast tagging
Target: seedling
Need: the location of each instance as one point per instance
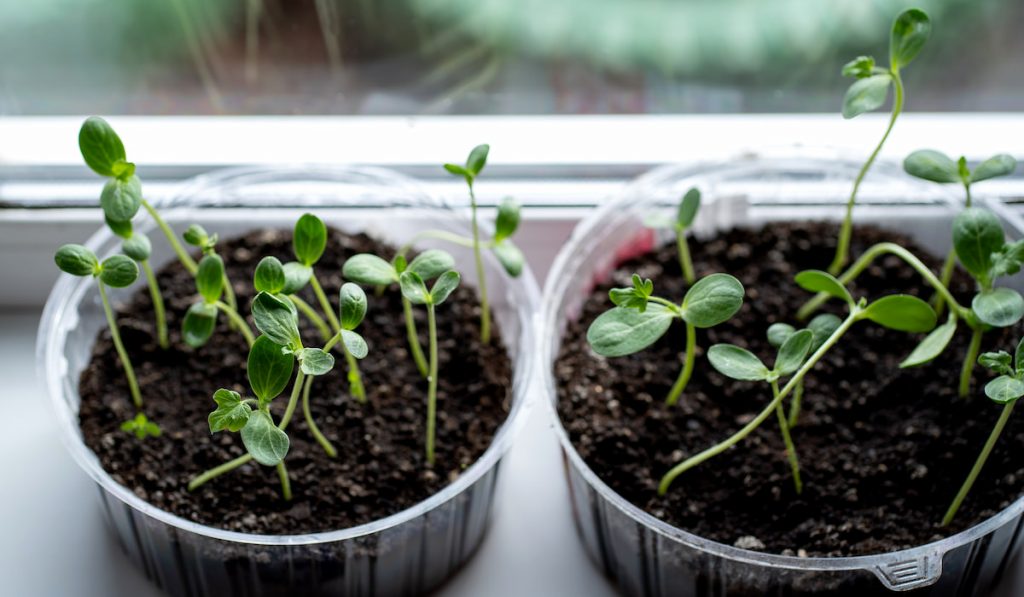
(197, 236)
(898, 312)
(685, 215)
(1006, 390)
(309, 242)
(201, 317)
(141, 427)
(286, 280)
(910, 31)
(116, 271)
(821, 327)
(374, 271)
(936, 166)
(741, 364)
(640, 319)
(507, 253)
(415, 290)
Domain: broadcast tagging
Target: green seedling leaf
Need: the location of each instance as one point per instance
(267, 444)
(1004, 389)
(823, 326)
(793, 352)
(199, 323)
(196, 236)
(210, 278)
(141, 427)
(932, 346)
(635, 297)
(310, 239)
(619, 332)
(231, 413)
(932, 165)
(459, 171)
(445, 285)
(998, 307)
(477, 159)
(813, 280)
(976, 236)
(427, 265)
(1007, 261)
(352, 305)
(118, 271)
(997, 165)
(909, 33)
(77, 260)
(277, 320)
(401, 265)
(137, 246)
(901, 312)
(778, 333)
(413, 288)
(508, 219)
(1018, 357)
(121, 199)
(688, 209)
(712, 300)
(355, 344)
(314, 361)
(269, 276)
(866, 94)
(122, 229)
(997, 361)
(510, 256)
(269, 369)
(860, 67)
(369, 269)
(101, 148)
(737, 363)
(296, 276)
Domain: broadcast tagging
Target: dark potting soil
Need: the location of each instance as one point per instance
(380, 468)
(882, 450)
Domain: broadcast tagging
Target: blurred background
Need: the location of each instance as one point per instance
(488, 57)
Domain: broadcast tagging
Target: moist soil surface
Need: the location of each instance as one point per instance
(380, 468)
(882, 450)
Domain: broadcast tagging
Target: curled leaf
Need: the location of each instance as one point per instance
(860, 67)
(445, 285)
(477, 159)
(413, 288)
(997, 361)
(276, 319)
(231, 412)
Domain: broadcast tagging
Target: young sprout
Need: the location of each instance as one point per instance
(685, 215)
(935, 166)
(1006, 390)
(116, 271)
(414, 289)
(374, 271)
(201, 317)
(898, 312)
(821, 327)
(909, 33)
(197, 236)
(271, 363)
(141, 427)
(507, 253)
(640, 319)
(741, 364)
(309, 242)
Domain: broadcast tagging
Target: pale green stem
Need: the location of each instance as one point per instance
(794, 462)
(183, 256)
(684, 257)
(312, 316)
(217, 471)
(158, 304)
(286, 484)
(414, 340)
(431, 385)
(240, 324)
(293, 400)
(485, 309)
(325, 305)
(684, 375)
(747, 429)
(794, 406)
(354, 377)
(320, 438)
(946, 277)
(972, 357)
(229, 292)
(979, 463)
(843, 246)
(115, 335)
(455, 239)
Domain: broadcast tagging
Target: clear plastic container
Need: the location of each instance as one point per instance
(407, 553)
(648, 557)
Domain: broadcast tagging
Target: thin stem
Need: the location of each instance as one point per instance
(843, 246)
(684, 257)
(979, 463)
(455, 239)
(286, 484)
(794, 406)
(414, 340)
(183, 256)
(320, 438)
(312, 316)
(289, 410)
(747, 429)
(240, 323)
(325, 305)
(969, 360)
(158, 304)
(967, 191)
(354, 378)
(485, 310)
(115, 335)
(431, 385)
(946, 277)
(229, 292)
(218, 471)
(684, 375)
(794, 462)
